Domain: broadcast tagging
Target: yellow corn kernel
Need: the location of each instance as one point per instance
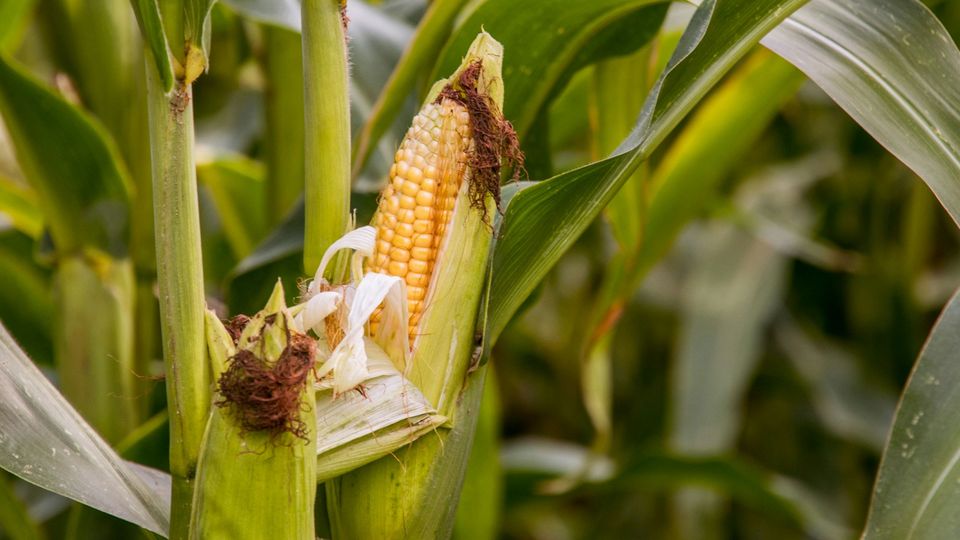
(419, 198)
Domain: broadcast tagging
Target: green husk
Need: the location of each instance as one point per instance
(413, 493)
(327, 137)
(237, 467)
(94, 343)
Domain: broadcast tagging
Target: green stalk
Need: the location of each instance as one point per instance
(180, 280)
(283, 63)
(327, 128)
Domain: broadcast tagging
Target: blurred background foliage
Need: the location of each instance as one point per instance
(749, 385)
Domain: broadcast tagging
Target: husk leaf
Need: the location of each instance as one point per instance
(277, 470)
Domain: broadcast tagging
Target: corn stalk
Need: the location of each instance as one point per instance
(180, 282)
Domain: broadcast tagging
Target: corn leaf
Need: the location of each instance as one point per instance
(916, 491)
(45, 442)
(19, 205)
(892, 66)
(14, 16)
(151, 28)
(54, 142)
(719, 34)
(197, 24)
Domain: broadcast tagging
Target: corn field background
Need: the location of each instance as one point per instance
(716, 299)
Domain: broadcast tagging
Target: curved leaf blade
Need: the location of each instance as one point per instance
(894, 68)
(542, 221)
(916, 493)
(45, 442)
(151, 27)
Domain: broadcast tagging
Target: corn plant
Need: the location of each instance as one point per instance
(316, 220)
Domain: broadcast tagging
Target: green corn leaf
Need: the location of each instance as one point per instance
(915, 495)
(45, 442)
(197, 24)
(14, 16)
(151, 28)
(894, 69)
(719, 34)
(19, 204)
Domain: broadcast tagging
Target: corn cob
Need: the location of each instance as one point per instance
(407, 495)
(417, 204)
